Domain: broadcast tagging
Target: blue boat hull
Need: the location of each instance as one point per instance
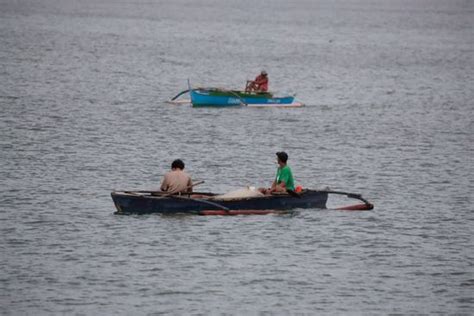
(204, 97)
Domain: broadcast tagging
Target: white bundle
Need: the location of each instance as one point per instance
(246, 192)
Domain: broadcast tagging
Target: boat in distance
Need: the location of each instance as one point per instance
(146, 202)
(225, 98)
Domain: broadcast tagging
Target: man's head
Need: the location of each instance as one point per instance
(282, 157)
(263, 73)
(177, 164)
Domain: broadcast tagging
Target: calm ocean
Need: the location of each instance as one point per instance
(389, 92)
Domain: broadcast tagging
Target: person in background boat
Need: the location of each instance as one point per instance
(177, 181)
(284, 177)
(260, 84)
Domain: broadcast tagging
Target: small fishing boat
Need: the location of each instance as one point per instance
(224, 98)
(218, 97)
(201, 203)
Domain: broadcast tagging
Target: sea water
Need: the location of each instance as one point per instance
(388, 88)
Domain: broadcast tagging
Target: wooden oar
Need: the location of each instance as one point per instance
(226, 90)
(162, 193)
(200, 201)
(238, 96)
(174, 196)
(186, 189)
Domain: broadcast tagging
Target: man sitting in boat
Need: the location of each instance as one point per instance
(284, 178)
(260, 84)
(177, 181)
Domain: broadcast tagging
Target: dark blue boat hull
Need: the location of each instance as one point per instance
(147, 204)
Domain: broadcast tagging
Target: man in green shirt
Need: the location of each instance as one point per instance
(284, 178)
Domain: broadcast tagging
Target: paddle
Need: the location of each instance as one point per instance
(174, 196)
(186, 189)
(162, 193)
(200, 201)
(238, 96)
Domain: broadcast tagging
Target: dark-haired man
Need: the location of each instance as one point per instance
(284, 178)
(177, 181)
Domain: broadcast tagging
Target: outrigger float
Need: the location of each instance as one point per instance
(201, 203)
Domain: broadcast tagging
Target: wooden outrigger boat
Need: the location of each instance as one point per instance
(218, 97)
(225, 98)
(146, 202)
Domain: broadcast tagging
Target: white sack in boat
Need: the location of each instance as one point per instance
(246, 192)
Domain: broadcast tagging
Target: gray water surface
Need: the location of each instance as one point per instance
(388, 88)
